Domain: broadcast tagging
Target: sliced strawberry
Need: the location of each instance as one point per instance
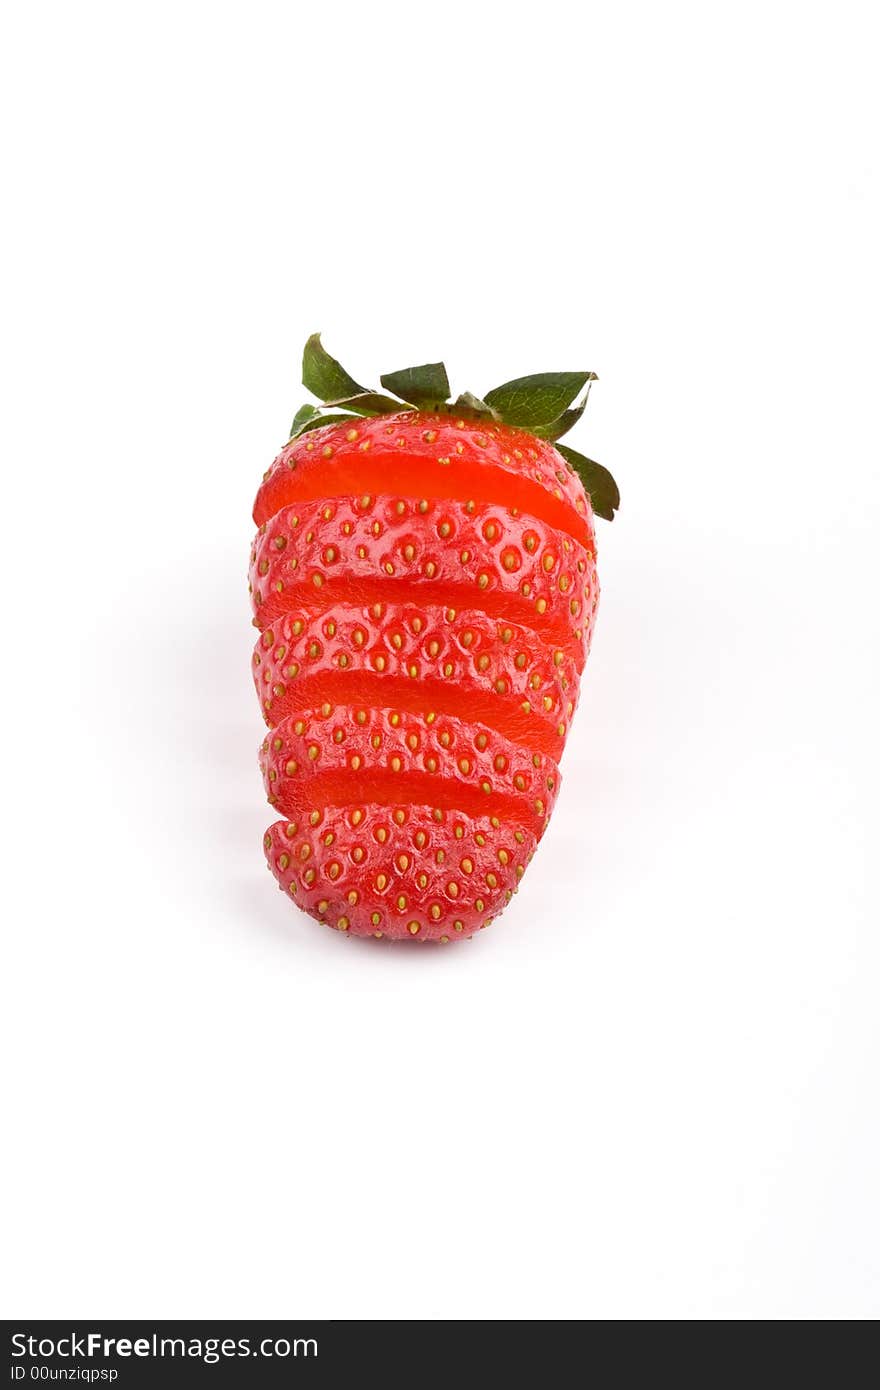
(337, 755)
(404, 871)
(457, 661)
(421, 455)
(425, 588)
(460, 554)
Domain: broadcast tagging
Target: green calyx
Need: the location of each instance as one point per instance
(546, 405)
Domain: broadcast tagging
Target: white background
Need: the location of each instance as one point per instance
(650, 1090)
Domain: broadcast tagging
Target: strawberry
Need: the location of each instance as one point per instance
(424, 582)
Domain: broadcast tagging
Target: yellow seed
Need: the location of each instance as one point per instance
(381, 882)
(351, 436)
(413, 928)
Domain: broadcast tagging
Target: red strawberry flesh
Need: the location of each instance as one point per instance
(425, 590)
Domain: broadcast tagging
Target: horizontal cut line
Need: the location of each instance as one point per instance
(353, 474)
(362, 593)
(501, 713)
(382, 788)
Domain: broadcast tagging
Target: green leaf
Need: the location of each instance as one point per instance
(531, 401)
(421, 386)
(597, 481)
(323, 376)
(318, 420)
(557, 428)
(472, 408)
(370, 403)
(305, 412)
